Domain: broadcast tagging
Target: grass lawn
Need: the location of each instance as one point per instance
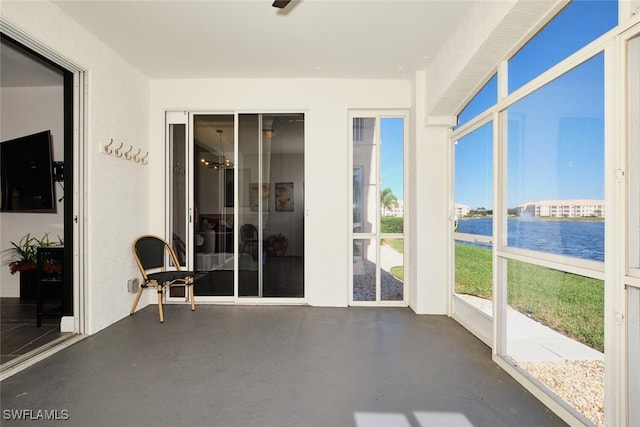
(398, 273)
(568, 303)
(398, 246)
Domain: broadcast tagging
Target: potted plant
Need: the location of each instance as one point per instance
(22, 257)
(276, 244)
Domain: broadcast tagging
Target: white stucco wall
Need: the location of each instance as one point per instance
(429, 170)
(117, 197)
(125, 199)
(325, 103)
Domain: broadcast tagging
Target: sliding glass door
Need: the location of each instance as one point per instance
(236, 202)
(213, 160)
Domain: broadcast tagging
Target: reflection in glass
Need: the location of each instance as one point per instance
(253, 211)
(555, 331)
(213, 153)
(556, 166)
(358, 202)
(271, 213)
(364, 175)
(178, 201)
(391, 269)
(364, 270)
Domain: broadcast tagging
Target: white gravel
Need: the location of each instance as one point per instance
(579, 382)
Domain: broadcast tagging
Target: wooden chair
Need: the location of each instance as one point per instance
(160, 271)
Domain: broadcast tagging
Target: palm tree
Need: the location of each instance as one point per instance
(388, 200)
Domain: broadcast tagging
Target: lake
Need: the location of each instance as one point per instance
(581, 239)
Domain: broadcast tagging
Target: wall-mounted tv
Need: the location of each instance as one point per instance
(26, 170)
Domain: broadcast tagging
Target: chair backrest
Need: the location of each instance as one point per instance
(149, 253)
(248, 232)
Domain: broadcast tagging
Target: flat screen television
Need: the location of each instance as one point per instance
(26, 170)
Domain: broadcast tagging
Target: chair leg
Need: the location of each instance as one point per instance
(160, 310)
(135, 302)
(191, 296)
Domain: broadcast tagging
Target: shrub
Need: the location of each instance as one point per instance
(392, 224)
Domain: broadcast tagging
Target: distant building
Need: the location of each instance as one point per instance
(397, 210)
(562, 208)
(461, 210)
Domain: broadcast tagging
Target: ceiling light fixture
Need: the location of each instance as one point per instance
(227, 163)
(224, 164)
(281, 4)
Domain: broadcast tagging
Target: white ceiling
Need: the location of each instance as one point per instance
(249, 38)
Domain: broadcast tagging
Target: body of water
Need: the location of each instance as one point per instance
(581, 239)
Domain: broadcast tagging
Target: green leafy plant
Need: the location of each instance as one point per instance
(392, 224)
(22, 256)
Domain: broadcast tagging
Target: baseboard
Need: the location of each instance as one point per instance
(67, 324)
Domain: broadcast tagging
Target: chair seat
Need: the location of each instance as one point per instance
(169, 276)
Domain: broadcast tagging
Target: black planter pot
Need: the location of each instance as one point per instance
(28, 285)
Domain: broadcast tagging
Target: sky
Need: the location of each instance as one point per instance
(556, 134)
(391, 155)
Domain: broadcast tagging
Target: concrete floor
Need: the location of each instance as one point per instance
(275, 366)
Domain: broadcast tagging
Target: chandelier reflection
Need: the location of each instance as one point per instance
(223, 162)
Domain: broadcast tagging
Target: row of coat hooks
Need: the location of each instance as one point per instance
(123, 153)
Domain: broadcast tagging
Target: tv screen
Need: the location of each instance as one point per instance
(26, 170)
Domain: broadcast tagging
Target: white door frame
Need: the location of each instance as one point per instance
(377, 235)
(186, 117)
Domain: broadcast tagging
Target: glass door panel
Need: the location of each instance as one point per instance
(178, 185)
(213, 203)
(271, 214)
(177, 191)
(473, 230)
(364, 270)
(377, 208)
(391, 269)
(633, 150)
(365, 175)
(633, 225)
(391, 190)
(254, 197)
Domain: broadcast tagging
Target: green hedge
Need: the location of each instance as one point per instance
(392, 224)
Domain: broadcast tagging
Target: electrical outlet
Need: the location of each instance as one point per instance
(133, 285)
